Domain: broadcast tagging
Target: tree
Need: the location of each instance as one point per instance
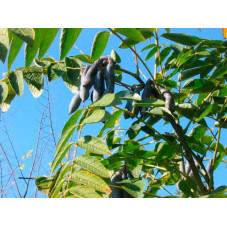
(192, 71)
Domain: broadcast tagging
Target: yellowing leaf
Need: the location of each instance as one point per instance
(23, 157)
(29, 153)
(21, 167)
(49, 163)
(224, 32)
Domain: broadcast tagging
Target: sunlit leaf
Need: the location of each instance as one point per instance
(98, 115)
(93, 145)
(99, 44)
(93, 165)
(68, 38)
(91, 180)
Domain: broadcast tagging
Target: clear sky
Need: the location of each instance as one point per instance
(22, 120)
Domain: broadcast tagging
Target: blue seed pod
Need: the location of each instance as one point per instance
(99, 86)
(146, 95)
(109, 76)
(75, 102)
(89, 78)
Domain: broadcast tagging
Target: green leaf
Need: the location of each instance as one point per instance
(220, 192)
(178, 48)
(68, 38)
(50, 34)
(60, 146)
(148, 47)
(164, 53)
(25, 34)
(73, 87)
(93, 145)
(98, 115)
(73, 66)
(43, 184)
(84, 192)
(3, 92)
(93, 165)
(34, 79)
(192, 72)
(151, 53)
(164, 151)
(219, 72)
(107, 100)
(58, 181)
(204, 113)
(199, 83)
(15, 47)
(10, 94)
(182, 38)
(146, 33)
(150, 102)
(115, 56)
(131, 33)
(4, 43)
(84, 58)
(135, 189)
(99, 44)
(55, 70)
(72, 120)
(91, 180)
(44, 62)
(110, 123)
(31, 51)
(60, 155)
(128, 95)
(198, 132)
(16, 81)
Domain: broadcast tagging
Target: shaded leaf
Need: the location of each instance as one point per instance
(4, 43)
(16, 81)
(25, 34)
(182, 38)
(34, 79)
(55, 70)
(73, 66)
(135, 189)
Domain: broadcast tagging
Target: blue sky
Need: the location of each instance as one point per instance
(23, 118)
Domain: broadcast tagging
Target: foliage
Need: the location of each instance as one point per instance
(194, 70)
